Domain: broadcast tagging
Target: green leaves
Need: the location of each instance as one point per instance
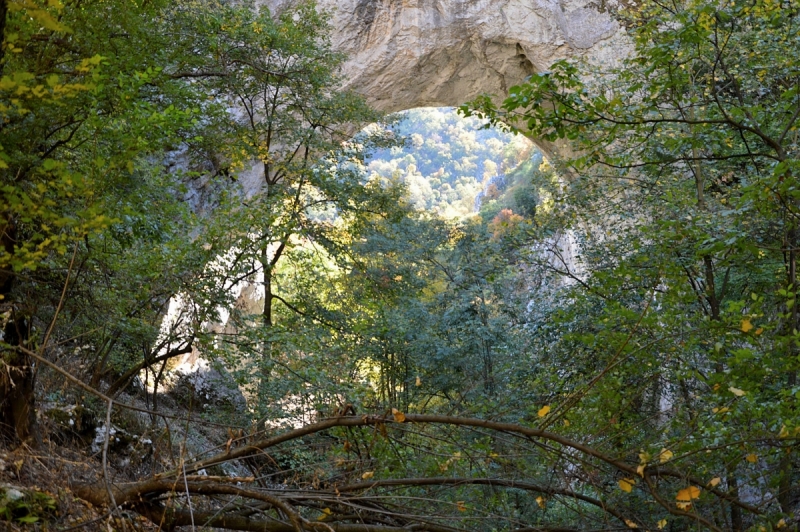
(684, 201)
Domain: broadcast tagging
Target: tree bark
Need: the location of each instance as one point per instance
(17, 378)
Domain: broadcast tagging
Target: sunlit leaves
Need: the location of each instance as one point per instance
(685, 497)
(44, 14)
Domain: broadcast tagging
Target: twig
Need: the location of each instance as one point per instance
(106, 477)
(60, 302)
(188, 495)
(209, 478)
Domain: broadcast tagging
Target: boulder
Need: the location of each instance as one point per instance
(196, 384)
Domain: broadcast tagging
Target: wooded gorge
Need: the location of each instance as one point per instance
(221, 309)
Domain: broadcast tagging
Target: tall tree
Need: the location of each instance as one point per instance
(685, 209)
(88, 114)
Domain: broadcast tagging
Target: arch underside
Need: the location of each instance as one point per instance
(404, 54)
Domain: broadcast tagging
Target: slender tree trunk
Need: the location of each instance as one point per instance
(714, 301)
(269, 297)
(17, 379)
(786, 487)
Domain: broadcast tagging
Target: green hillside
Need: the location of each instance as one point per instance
(447, 160)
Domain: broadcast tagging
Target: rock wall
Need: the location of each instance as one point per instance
(416, 53)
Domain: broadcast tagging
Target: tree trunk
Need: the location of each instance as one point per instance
(17, 378)
(787, 489)
(17, 405)
(268, 296)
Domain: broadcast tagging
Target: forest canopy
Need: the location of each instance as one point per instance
(448, 163)
(611, 342)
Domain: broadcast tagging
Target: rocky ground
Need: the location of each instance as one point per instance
(37, 479)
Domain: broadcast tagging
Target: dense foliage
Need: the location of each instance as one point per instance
(615, 348)
(682, 309)
(448, 162)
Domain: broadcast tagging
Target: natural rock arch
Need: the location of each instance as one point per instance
(404, 54)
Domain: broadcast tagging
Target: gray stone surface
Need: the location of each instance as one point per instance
(415, 53)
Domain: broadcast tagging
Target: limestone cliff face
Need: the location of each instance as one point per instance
(414, 53)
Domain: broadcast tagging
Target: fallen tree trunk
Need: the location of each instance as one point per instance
(141, 496)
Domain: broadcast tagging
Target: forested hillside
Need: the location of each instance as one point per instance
(447, 161)
(221, 311)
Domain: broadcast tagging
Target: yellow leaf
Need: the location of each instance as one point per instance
(544, 410)
(783, 433)
(736, 391)
(714, 482)
(640, 470)
(683, 505)
(540, 501)
(398, 278)
(746, 325)
(752, 458)
(759, 331)
(325, 513)
(461, 506)
(721, 410)
(687, 494)
(367, 475)
(665, 456)
(419, 381)
(781, 523)
(626, 484)
(398, 415)
(566, 422)
(662, 524)
(631, 524)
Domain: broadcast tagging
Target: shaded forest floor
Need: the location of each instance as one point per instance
(37, 479)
